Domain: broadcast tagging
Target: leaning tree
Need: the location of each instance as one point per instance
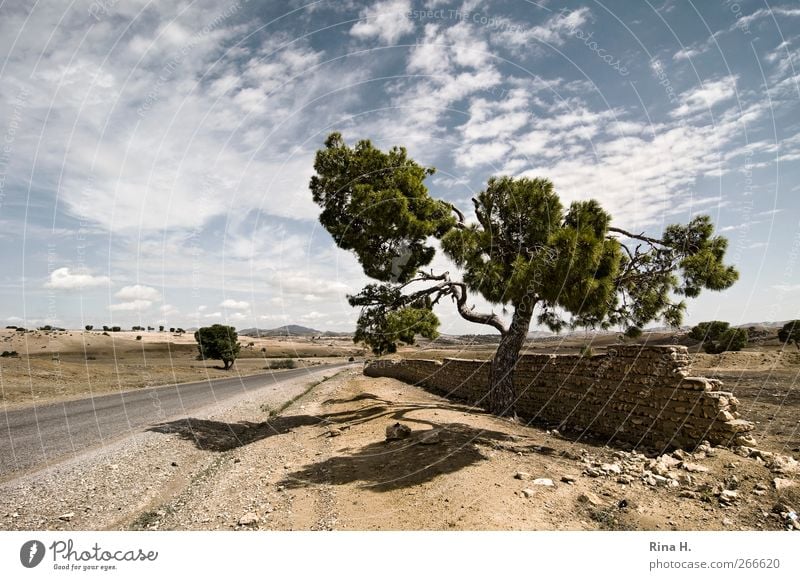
(523, 252)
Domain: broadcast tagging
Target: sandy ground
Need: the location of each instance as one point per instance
(64, 365)
(324, 463)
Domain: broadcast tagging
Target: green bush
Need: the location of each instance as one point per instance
(790, 333)
(286, 363)
(718, 337)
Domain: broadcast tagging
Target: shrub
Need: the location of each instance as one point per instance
(139, 337)
(89, 327)
(717, 336)
(8, 353)
(286, 363)
(790, 333)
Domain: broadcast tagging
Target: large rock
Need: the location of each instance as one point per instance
(397, 431)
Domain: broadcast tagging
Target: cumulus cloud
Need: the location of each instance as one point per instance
(138, 292)
(63, 279)
(385, 20)
(235, 304)
(133, 305)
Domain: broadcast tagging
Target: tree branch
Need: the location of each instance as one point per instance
(642, 237)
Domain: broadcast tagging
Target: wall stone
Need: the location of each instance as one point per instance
(633, 394)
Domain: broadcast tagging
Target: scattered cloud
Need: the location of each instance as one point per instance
(138, 292)
(63, 279)
(235, 304)
(387, 20)
(704, 97)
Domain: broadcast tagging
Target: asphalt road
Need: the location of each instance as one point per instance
(40, 435)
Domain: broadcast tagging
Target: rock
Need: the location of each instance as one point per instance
(334, 432)
(174, 464)
(568, 479)
(590, 498)
(694, 467)
(780, 483)
(523, 475)
(611, 468)
(113, 467)
(397, 431)
(430, 437)
(728, 496)
(688, 494)
(249, 519)
(528, 492)
(624, 480)
(66, 517)
(592, 472)
(543, 481)
(727, 522)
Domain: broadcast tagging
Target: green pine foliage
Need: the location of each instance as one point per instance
(524, 251)
(717, 336)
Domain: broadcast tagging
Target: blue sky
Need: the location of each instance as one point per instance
(155, 157)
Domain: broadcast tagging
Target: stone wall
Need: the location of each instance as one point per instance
(634, 394)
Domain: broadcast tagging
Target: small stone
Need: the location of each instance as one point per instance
(523, 475)
(592, 472)
(688, 494)
(694, 467)
(113, 467)
(528, 492)
(590, 498)
(174, 464)
(66, 517)
(611, 468)
(237, 460)
(249, 519)
(543, 481)
(728, 496)
(624, 480)
(781, 483)
(334, 432)
(567, 479)
(397, 431)
(727, 522)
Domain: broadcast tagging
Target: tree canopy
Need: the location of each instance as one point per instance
(524, 250)
(790, 333)
(717, 336)
(218, 342)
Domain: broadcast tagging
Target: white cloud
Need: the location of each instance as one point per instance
(213, 315)
(133, 305)
(387, 20)
(706, 96)
(231, 304)
(138, 292)
(63, 279)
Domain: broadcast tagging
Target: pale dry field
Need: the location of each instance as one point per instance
(52, 366)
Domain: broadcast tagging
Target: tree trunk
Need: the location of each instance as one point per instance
(502, 394)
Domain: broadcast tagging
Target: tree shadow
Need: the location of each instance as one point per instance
(391, 465)
(381, 465)
(219, 436)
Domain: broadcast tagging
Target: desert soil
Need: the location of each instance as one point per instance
(324, 463)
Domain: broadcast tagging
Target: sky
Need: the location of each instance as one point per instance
(155, 156)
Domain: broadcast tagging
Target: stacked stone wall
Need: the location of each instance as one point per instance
(634, 394)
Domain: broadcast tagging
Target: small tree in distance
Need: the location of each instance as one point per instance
(218, 342)
(524, 252)
(89, 327)
(790, 333)
(717, 336)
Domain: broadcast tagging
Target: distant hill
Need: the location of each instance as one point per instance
(290, 330)
(287, 330)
